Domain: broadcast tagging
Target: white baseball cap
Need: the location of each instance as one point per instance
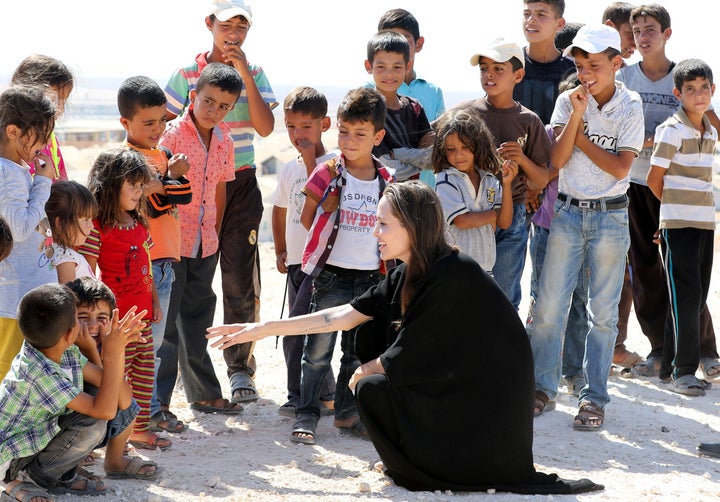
(595, 39)
(227, 9)
(499, 50)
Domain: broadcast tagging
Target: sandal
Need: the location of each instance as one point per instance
(590, 417)
(92, 487)
(303, 430)
(648, 368)
(226, 407)
(710, 368)
(623, 358)
(243, 388)
(173, 426)
(543, 403)
(29, 492)
(574, 383)
(132, 470)
(689, 385)
(153, 441)
(356, 430)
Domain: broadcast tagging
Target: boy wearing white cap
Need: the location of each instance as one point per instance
(519, 136)
(229, 22)
(599, 130)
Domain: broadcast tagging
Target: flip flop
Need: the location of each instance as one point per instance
(30, 490)
(709, 449)
(225, 409)
(304, 425)
(132, 470)
(243, 382)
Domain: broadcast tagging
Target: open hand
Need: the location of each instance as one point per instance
(232, 334)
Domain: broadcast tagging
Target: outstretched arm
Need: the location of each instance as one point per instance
(342, 317)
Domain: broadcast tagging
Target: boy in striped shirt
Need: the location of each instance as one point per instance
(681, 177)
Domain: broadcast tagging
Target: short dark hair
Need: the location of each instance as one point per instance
(564, 37)
(306, 100)
(46, 313)
(363, 105)
(139, 92)
(6, 239)
(225, 77)
(388, 41)
(690, 69)
(90, 291)
(654, 10)
(558, 5)
(68, 202)
(618, 13)
(400, 18)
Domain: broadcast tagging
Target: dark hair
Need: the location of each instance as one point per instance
(610, 52)
(690, 69)
(68, 201)
(654, 10)
(306, 100)
(6, 239)
(363, 105)
(225, 77)
(419, 210)
(388, 41)
(570, 81)
(468, 124)
(558, 5)
(400, 18)
(89, 292)
(107, 176)
(139, 92)
(39, 69)
(618, 13)
(28, 108)
(46, 313)
(565, 36)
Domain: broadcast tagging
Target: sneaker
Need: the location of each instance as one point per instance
(574, 383)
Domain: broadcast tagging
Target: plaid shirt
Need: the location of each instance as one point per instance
(33, 395)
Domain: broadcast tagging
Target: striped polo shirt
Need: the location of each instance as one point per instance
(687, 154)
(185, 79)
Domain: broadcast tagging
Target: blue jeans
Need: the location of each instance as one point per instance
(577, 324)
(331, 289)
(600, 240)
(511, 247)
(163, 276)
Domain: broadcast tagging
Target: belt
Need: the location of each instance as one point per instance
(601, 204)
(346, 272)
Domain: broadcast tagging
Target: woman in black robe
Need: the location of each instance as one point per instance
(446, 388)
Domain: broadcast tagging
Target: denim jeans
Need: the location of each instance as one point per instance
(163, 276)
(577, 324)
(511, 246)
(79, 435)
(299, 290)
(600, 240)
(331, 289)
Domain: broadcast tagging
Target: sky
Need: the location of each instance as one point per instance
(317, 42)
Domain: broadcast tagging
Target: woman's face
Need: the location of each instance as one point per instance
(393, 238)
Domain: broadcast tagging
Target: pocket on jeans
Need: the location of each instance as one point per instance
(324, 282)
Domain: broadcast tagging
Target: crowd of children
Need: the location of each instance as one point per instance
(608, 160)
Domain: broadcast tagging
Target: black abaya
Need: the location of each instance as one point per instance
(455, 408)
